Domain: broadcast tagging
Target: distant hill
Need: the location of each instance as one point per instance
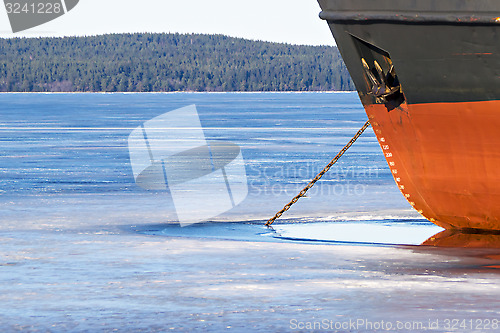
(167, 62)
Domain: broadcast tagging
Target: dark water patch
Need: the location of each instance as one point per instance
(379, 232)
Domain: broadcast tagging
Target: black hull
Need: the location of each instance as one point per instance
(443, 51)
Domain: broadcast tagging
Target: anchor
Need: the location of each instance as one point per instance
(386, 88)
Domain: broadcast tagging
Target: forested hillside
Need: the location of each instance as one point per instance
(167, 62)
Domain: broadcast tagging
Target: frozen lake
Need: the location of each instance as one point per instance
(84, 249)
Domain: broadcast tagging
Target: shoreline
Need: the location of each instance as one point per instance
(180, 92)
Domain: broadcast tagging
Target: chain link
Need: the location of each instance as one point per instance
(318, 177)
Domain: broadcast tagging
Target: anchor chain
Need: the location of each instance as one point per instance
(319, 175)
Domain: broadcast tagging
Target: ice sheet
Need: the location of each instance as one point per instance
(84, 249)
(120, 278)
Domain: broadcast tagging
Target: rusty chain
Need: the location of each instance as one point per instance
(318, 177)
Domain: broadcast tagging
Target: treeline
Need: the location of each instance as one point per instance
(167, 62)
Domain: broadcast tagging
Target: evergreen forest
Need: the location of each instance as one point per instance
(167, 62)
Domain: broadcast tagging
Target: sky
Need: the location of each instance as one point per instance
(288, 21)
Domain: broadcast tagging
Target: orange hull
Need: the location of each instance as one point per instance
(428, 74)
(445, 159)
